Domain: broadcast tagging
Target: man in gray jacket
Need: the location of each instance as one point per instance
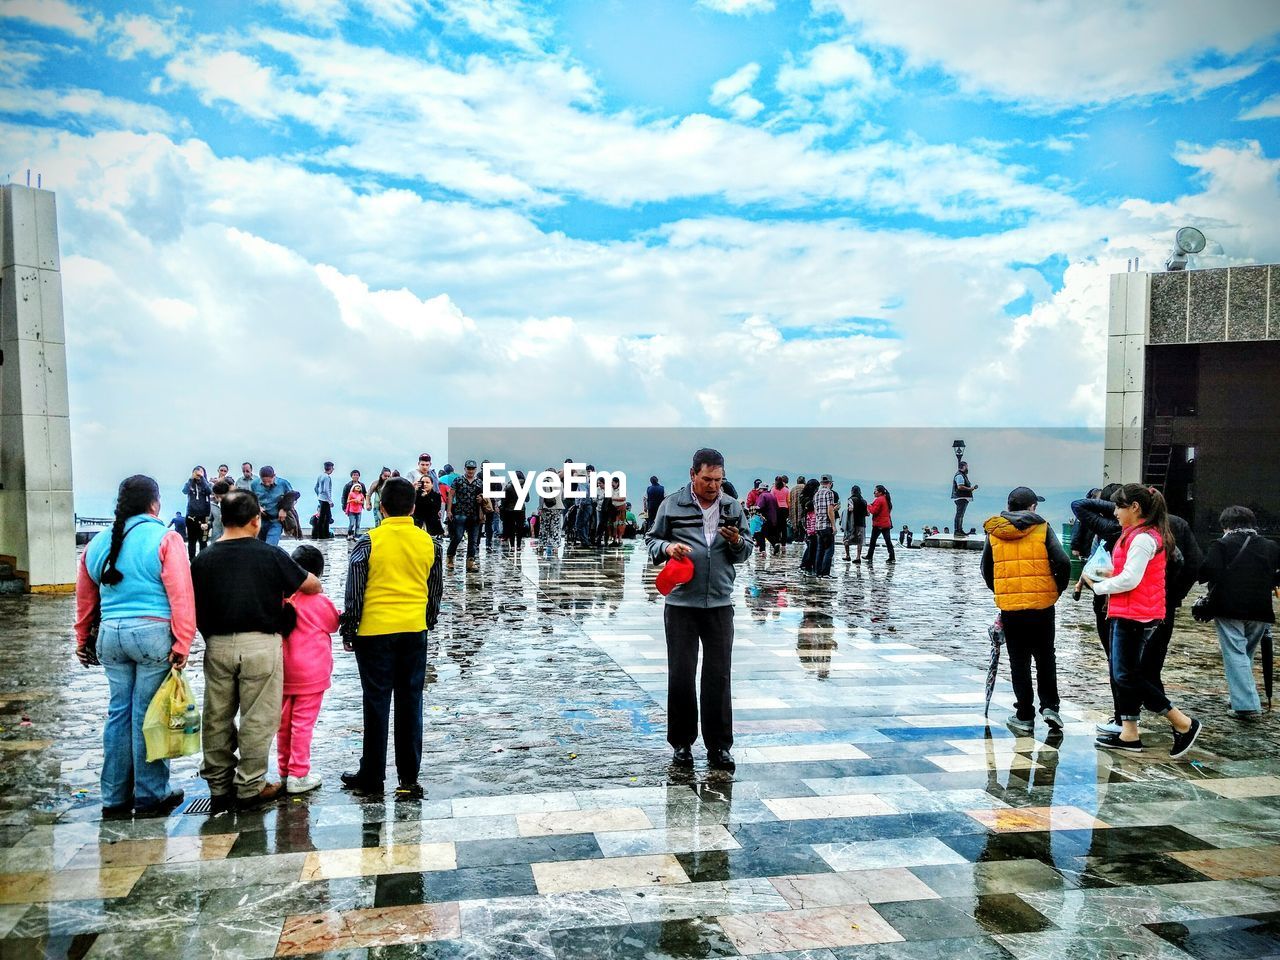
(701, 523)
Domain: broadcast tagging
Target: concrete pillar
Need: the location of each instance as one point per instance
(37, 515)
(1126, 368)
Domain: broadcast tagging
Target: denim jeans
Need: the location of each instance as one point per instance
(1239, 640)
(826, 551)
(468, 527)
(393, 666)
(271, 532)
(135, 655)
(353, 524)
(961, 507)
(1128, 639)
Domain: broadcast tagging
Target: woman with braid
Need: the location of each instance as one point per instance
(135, 615)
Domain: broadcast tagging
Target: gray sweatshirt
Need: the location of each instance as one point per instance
(679, 520)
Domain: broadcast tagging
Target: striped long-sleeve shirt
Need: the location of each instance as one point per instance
(358, 582)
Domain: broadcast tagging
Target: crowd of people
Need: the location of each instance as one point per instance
(142, 594)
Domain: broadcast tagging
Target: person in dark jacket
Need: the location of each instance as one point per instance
(1242, 569)
(704, 524)
(199, 493)
(1095, 517)
(653, 498)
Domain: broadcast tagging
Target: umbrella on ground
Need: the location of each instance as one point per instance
(1267, 661)
(996, 633)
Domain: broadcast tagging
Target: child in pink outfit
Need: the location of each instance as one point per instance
(308, 669)
(354, 507)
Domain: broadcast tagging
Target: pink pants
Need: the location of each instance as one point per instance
(298, 716)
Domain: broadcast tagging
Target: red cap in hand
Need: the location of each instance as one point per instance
(677, 570)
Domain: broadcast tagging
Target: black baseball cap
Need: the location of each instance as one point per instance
(1023, 498)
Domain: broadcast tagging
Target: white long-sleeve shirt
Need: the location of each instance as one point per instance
(1141, 550)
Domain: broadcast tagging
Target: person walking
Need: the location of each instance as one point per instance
(782, 494)
(389, 609)
(881, 513)
(1242, 570)
(795, 515)
(465, 512)
(809, 524)
(513, 515)
(551, 519)
(324, 493)
(767, 505)
(962, 493)
(271, 492)
(701, 526)
(241, 583)
(1025, 566)
(825, 507)
(199, 492)
(136, 617)
(654, 494)
(854, 524)
(1095, 518)
(1136, 588)
(246, 480)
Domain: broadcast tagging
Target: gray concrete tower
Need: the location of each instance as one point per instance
(37, 515)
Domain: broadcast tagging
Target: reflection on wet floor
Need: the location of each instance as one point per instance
(874, 812)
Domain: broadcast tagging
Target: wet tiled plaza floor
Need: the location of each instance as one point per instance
(874, 813)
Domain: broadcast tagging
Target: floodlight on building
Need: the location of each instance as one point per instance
(1187, 241)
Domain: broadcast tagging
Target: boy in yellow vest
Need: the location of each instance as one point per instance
(1026, 567)
(390, 606)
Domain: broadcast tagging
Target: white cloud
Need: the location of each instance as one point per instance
(85, 104)
(739, 7)
(327, 13)
(1055, 53)
(138, 34)
(532, 131)
(502, 21)
(1268, 109)
(56, 14)
(731, 92)
(837, 63)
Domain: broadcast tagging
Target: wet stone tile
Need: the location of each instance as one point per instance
(442, 886)
(250, 939)
(763, 861)
(1000, 876)
(965, 916)
(1224, 938)
(949, 948)
(480, 853)
(693, 938)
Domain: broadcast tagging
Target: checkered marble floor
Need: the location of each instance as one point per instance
(874, 813)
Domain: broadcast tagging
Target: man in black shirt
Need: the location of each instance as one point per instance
(241, 584)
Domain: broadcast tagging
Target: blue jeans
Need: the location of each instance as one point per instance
(272, 532)
(393, 666)
(1239, 640)
(135, 656)
(468, 527)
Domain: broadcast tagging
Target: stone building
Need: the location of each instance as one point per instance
(1193, 390)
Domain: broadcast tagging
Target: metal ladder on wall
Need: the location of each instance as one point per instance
(1159, 452)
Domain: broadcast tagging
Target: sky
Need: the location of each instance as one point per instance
(297, 230)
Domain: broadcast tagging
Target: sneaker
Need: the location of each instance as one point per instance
(301, 784)
(1021, 727)
(1108, 727)
(410, 791)
(1052, 718)
(1112, 741)
(1182, 741)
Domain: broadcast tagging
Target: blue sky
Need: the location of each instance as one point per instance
(299, 229)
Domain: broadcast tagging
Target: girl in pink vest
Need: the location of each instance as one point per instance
(1136, 587)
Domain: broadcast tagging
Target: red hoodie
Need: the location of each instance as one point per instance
(879, 511)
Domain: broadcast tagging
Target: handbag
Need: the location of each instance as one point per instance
(1205, 609)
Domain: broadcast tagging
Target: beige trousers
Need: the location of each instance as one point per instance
(244, 673)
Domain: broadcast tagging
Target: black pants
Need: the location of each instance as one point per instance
(1028, 635)
(325, 520)
(888, 541)
(685, 627)
(809, 559)
(1104, 637)
(197, 536)
(1129, 639)
(393, 666)
(961, 507)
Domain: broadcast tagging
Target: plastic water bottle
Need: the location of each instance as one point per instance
(192, 720)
